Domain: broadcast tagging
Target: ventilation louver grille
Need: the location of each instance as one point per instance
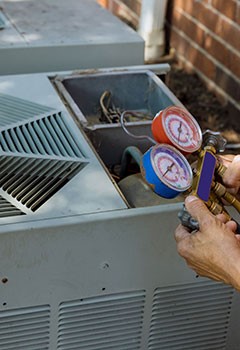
(47, 135)
(107, 322)
(2, 21)
(33, 181)
(190, 317)
(40, 152)
(7, 209)
(25, 329)
(14, 109)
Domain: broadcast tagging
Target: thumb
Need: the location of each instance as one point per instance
(197, 209)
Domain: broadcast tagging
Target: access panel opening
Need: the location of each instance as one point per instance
(98, 100)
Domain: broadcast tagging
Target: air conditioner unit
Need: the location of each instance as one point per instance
(81, 266)
(49, 35)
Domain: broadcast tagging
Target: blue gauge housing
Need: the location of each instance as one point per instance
(149, 173)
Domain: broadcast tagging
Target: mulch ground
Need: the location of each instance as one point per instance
(202, 103)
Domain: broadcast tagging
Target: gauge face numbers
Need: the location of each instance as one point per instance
(171, 167)
(183, 131)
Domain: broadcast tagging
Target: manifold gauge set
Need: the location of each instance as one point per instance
(164, 166)
(167, 171)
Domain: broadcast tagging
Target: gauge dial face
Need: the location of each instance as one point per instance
(182, 129)
(171, 167)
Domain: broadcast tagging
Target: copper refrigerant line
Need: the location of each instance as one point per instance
(222, 193)
(112, 114)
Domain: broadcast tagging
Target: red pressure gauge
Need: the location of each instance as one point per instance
(177, 127)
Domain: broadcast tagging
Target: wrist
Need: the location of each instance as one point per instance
(236, 284)
(235, 274)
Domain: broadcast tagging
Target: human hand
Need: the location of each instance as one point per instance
(214, 250)
(231, 177)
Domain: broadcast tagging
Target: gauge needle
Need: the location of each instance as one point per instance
(169, 168)
(179, 130)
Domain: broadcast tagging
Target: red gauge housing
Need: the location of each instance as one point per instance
(177, 127)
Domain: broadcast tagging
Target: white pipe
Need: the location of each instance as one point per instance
(151, 28)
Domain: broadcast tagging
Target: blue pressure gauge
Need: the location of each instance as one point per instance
(166, 170)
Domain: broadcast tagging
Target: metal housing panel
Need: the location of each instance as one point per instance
(25, 328)
(83, 260)
(191, 316)
(46, 35)
(109, 321)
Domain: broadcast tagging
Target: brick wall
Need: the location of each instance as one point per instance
(127, 10)
(206, 36)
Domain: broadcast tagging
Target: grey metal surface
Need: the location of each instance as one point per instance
(45, 159)
(48, 35)
(157, 68)
(7, 209)
(201, 327)
(106, 272)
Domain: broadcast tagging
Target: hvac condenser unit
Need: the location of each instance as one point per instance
(54, 35)
(85, 264)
